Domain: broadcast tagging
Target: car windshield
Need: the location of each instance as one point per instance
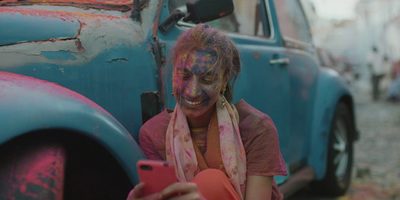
(122, 5)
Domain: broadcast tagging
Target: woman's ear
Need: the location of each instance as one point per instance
(226, 79)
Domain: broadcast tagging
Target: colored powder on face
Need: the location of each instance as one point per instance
(197, 82)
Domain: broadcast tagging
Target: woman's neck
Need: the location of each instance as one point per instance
(202, 121)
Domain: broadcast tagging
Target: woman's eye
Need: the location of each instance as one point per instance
(183, 76)
(208, 79)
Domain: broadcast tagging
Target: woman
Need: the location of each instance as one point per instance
(219, 150)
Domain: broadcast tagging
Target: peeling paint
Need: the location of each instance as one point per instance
(96, 34)
(118, 60)
(157, 21)
(121, 5)
(58, 55)
(149, 48)
(79, 45)
(14, 26)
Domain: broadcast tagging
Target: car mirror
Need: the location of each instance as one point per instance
(200, 11)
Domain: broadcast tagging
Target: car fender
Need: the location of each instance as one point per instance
(331, 88)
(28, 104)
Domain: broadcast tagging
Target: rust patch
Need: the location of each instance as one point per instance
(256, 55)
(79, 45)
(157, 21)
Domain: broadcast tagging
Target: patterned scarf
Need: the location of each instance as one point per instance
(187, 159)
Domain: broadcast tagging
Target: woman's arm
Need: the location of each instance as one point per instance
(147, 145)
(259, 187)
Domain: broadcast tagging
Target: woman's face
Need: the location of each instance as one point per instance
(197, 83)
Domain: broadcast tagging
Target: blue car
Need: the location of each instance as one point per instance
(78, 78)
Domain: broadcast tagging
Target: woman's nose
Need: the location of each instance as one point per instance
(193, 88)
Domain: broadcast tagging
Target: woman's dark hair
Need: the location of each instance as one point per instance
(204, 37)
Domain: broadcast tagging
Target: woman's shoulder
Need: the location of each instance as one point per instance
(156, 124)
(261, 142)
(254, 124)
(249, 113)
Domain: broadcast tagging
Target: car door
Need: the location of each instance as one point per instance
(278, 69)
(303, 71)
(264, 79)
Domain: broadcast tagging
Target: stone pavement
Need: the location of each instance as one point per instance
(376, 167)
(376, 173)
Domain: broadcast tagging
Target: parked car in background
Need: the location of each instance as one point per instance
(78, 78)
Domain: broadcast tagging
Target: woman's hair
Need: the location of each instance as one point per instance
(204, 37)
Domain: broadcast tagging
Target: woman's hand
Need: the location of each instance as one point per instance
(136, 194)
(176, 191)
(181, 191)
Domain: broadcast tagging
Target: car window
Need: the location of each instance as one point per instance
(292, 21)
(246, 18)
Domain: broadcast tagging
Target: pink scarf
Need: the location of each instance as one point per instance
(181, 152)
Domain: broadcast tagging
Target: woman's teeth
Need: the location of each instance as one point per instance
(192, 103)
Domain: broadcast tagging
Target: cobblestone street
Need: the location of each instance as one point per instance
(376, 168)
(376, 173)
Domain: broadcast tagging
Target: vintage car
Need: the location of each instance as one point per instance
(78, 78)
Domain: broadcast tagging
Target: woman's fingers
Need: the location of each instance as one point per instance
(179, 191)
(176, 191)
(188, 196)
(136, 194)
(178, 188)
(137, 191)
(130, 195)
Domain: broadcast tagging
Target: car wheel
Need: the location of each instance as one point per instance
(32, 170)
(340, 155)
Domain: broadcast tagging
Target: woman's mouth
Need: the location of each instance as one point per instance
(193, 103)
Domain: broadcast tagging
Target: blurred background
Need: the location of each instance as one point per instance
(346, 32)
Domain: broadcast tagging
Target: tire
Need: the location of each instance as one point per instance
(340, 155)
(32, 169)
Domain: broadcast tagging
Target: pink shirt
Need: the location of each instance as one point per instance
(258, 134)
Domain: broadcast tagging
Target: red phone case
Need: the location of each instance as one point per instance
(157, 175)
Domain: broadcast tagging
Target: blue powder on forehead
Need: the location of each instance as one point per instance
(205, 61)
(213, 54)
(212, 57)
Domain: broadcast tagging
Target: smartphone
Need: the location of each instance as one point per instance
(157, 175)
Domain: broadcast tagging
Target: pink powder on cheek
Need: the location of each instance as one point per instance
(176, 81)
(177, 88)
